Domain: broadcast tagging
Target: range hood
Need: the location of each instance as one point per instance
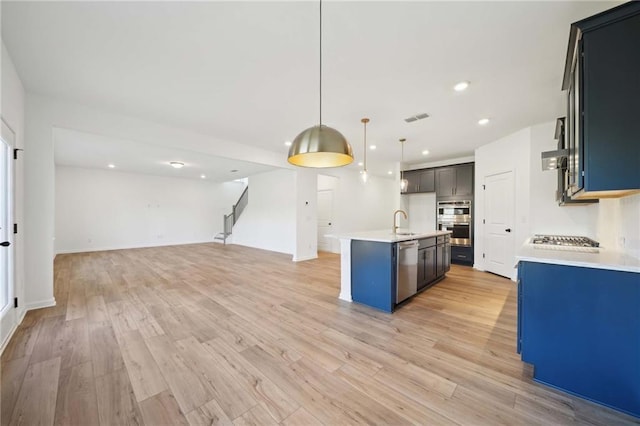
(552, 160)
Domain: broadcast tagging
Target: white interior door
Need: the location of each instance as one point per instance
(325, 218)
(7, 311)
(499, 199)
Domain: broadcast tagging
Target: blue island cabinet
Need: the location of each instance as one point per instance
(373, 274)
(580, 329)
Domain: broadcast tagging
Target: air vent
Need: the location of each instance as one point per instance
(416, 117)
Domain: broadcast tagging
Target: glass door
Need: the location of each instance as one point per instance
(7, 313)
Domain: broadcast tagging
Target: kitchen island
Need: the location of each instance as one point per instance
(373, 263)
(579, 322)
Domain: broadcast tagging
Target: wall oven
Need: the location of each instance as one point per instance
(455, 216)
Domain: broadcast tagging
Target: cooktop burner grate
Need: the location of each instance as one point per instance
(564, 241)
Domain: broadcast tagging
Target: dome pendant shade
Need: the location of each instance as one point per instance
(320, 147)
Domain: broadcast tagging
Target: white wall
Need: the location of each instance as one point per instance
(12, 106)
(547, 217)
(360, 206)
(421, 209)
(306, 215)
(615, 223)
(628, 225)
(42, 115)
(510, 153)
(441, 163)
(269, 220)
(107, 209)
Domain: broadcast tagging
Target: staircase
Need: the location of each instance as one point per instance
(230, 219)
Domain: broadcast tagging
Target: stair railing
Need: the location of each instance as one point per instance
(230, 219)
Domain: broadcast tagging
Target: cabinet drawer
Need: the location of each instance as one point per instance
(443, 239)
(427, 242)
(462, 255)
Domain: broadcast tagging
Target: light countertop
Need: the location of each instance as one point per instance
(603, 259)
(386, 236)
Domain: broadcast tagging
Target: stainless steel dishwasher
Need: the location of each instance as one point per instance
(407, 270)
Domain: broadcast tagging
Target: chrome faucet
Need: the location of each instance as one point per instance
(395, 228)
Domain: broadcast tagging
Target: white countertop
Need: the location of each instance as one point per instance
(603, 259)
(386, 236)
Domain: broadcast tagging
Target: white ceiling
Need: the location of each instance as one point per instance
(79, 149)
(248, 71)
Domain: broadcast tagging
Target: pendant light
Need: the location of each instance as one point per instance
(364, 173)
(404, 183)
(320, 146)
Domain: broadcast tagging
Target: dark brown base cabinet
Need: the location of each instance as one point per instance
(434, 260)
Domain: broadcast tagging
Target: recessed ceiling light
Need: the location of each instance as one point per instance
(111, 166)
(425, 152)
(483, 121)
(288, 143)
(234, 170)
(176, 164)
(361, 164)
(372, 147)
(202, 176)
(461, 86)
(390, 172)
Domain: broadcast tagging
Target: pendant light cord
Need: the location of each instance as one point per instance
(365, 146)
(320, 73)
(401, 160)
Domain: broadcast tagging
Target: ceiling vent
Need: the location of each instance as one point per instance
(416, 117)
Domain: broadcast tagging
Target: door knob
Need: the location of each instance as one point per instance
(5, 244)
(507, 230)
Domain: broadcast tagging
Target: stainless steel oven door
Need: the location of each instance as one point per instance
(461, 232)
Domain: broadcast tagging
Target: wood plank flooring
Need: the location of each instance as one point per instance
(211, 334)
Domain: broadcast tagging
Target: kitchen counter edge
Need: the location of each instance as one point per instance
(604, 259)
(384, 236)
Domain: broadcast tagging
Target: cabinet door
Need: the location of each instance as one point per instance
(413, 179)
(440, 261)
(445, 181)
(520, 279)
(611, 90)
(430, 271)
(464, 180)
(427, 181)
(421, 267)
(447, 257)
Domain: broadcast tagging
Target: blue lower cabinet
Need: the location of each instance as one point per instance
(373, 269)
(580, 329)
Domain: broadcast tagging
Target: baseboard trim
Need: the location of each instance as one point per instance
(41, 304)
(13, 330)
(302, 259)
(134, 246)
(345, 297)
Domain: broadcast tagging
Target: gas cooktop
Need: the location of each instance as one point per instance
(565, 242)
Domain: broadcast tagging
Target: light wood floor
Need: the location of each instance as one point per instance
(208, 334)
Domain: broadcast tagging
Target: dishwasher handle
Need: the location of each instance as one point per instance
(408, 244)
